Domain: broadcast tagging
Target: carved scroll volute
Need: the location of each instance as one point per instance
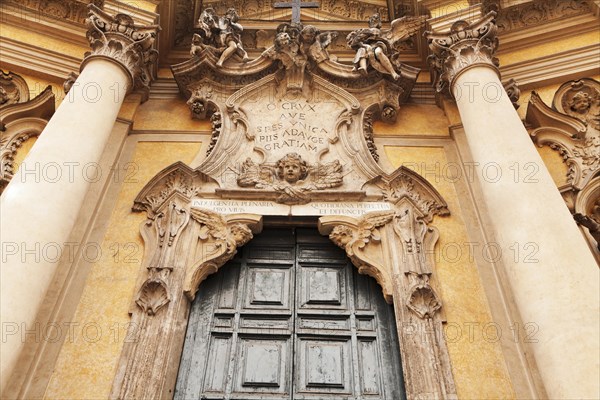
(217, 238)
(361, 240)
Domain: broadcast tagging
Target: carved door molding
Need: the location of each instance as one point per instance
(185, 244)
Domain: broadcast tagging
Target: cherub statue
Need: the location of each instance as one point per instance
(375, 46)
(315, 43)
(221, 33)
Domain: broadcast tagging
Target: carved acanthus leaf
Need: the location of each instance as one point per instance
(355, 236)
(465, 45)
(119, 39)
(535, 13)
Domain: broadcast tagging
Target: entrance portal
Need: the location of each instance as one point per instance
(290, 318)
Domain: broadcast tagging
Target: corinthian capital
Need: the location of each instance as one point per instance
(463, 47)
(120, 40)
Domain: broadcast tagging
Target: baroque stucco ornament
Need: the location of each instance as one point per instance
(465, 45)
(376, 47)
(572, 128)
(291, 176)
(395, 247)
(20, 121)
(293, 98)
(13, 89)
(119, 39)
(183, 245)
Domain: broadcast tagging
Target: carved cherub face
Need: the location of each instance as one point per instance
(308, 34)
(232, 15)
(375, 21)
(282, 40)
(291, 168)
(581, 102)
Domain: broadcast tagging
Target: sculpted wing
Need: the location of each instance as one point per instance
(402, 28)
(210, 219)
(327, 175)
(376, 219)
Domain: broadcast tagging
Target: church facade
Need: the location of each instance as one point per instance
(300, 200)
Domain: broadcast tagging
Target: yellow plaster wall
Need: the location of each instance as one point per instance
(167, 115)
(477, 361)
(415, 120)
(87, 362)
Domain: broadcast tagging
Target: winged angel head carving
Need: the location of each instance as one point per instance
(375, 47)
(291, 176)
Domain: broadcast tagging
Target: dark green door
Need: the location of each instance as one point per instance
(290, 318)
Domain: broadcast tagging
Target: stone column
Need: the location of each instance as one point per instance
(553, 276)
(40, 204)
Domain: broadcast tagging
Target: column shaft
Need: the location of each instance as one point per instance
(554, 278)
(40, 204)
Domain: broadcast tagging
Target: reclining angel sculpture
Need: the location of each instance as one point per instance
(374, 46)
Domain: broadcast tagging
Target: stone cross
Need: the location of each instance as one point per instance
(296, 5)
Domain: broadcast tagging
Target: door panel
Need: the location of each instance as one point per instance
(290, 318)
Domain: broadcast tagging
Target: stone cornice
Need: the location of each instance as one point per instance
(464, 46)
(562, 29)
(571, 64)
(48, 63)
(72, 31)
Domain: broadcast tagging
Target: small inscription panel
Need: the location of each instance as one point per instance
(295, 125)
(351, 209)
(242, 206)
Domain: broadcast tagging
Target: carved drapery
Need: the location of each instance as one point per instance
(572, 128)
(396, 248)
(120, 40)
(20, 121)
(183, 245)
(464, 46)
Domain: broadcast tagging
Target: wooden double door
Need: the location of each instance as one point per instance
(290, 318)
